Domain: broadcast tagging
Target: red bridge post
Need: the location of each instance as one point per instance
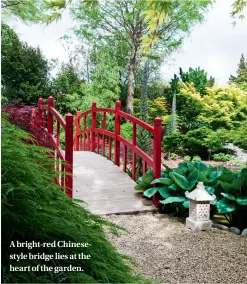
(94, 105)
(157, 147)
(40, 103)
(117, 132)
(77, 131)
(50, 115)
(69, 153)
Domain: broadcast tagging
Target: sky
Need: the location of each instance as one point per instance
(215, 45)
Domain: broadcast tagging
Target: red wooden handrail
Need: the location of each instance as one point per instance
(92, 137)
(46, 115)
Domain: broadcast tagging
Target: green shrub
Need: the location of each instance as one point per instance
(229, 187)
(126, 130)
(174, 156)
(187, 158)
(196, 159)
(222, 157)
(34, 208)
(173, 143)
(193, 142)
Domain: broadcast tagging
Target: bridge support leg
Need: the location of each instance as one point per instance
(157, 146)
(50, 115)
(40, 120)
(77, 136)
(157, 154)
(69, 153)
(93, 146)
(117, 132)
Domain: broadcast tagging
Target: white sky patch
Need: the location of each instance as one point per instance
(215, 45)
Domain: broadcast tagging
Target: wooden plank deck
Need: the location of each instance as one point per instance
(106, 188)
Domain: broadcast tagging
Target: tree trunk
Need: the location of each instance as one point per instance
(144, 98)
(131, 80)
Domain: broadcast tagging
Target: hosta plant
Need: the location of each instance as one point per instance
(229, 187)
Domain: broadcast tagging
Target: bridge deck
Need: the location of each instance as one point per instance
(104, 187)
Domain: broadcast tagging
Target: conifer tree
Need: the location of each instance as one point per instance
(241, 79)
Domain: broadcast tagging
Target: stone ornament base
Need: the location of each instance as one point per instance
(197, 226)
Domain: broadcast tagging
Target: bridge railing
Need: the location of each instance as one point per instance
(45, 116)
(89, 137)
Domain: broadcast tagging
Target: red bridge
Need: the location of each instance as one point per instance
(93, 157)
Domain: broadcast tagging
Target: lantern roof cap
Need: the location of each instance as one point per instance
(200, 194)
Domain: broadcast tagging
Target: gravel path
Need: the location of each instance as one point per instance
(166, 251)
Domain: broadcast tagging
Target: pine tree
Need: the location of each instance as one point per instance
(241, 79)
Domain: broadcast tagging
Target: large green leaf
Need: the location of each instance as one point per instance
(227, 177)
(193, 176)
(147, 177)
(200, 165)
(173, 187)
(210, 189)
(164, 175)
(202, 177)
(180, 180)
(151, 191)
(242, 200)
(173, 199)
(225, 206)
(206, 172)
(213, 176)
(228, 196)
(191, 166)
(186, 203)
(166, 181)
(183, 165)
(237, 184)
(141, 186)
(226, 186)
(165, 192)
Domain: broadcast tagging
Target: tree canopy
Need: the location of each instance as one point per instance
(241, 79)
(25, 70)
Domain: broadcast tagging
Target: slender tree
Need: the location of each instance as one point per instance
(126, 21)
(241, 79)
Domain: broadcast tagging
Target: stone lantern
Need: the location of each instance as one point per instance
(199, 211)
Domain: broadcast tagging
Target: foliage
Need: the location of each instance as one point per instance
(222, 157)
(224, 107)
(27, 11)
(201, 141)
(189, 106)
(174, 156)
(74, 94)
(156, 107)
(126, 23)
(25, 71)
(216, 140)
(196, 159)
(238, 135)
(172, 126)
(173, 143)
(193, 142)
(238, 7)
(32, 205)
(67, 80)
(229, 187)
(197, 76)
(126, 130)
(241, 79)
(187, 158)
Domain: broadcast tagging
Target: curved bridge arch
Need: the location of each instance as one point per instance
(87, 132)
